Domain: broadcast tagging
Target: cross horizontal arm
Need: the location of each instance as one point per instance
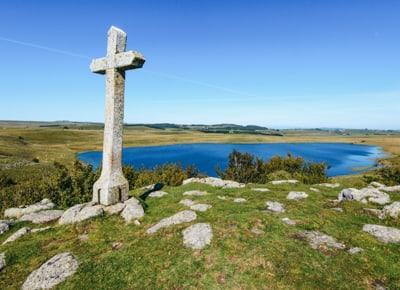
(124, 61)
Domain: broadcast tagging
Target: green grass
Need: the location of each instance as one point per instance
(236, 258)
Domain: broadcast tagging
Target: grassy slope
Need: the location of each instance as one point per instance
(236, 258)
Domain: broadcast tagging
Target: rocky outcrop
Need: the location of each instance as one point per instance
(41, 217)
(81, 212)
(114, 209)
(197, 236)
(133, 210)
(17, 212)
(200, 207)
(392, 210)
(364, 195)
(383, 233)
(216, 182)
(52, 272)
(178, 218)
(5, 225)
(274, 206)
(20, 233)
(296, 195)
(187, 202)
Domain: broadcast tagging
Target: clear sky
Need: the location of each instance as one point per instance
(281, 63)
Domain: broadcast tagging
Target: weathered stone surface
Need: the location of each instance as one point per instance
(17, 212)
(377, 184)
(338, 209)
(290, 181)
(38, 230)
(216, 182)
(200, 207)
(2, 261)
(21, 232)
(178, 218)
(112, 187)
(187, 202)
(392, 210)
(133, 210)
(260, 189)
(296, 195)
(314, 189)
(197, 236)
(364, 195)
(195, 193)
(114, 209)
(329, 185)
(239, 200)
(3, 228)
(158, 193)
(355, 250)
(382, 233)
(52, 272)
(288, 221)
(41, 217)
(221, 197)
(80, 212)
(275, 206)
(320, 241)
(391, 188)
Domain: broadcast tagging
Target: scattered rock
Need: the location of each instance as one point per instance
(200, 207)
(216, 182)
(116, 245)
(290, 181)
(158, 193)
(195, 193)
(38, 230)
(364, 195)
(133, 210)
(320, 241)
(260, 189)
(197, 236)
(114, 209)
(137, 222)
(329, 185)
(377, 184)
(42, 217)
(21, 232)
(178, 218)
(187, 202)
(80, 212)
(355, 250)
(239, 200)
(297, 195)
(314, 189)
(221, 197)
(2, 261)
(382, 233)
(392, 210)
(288, 221)
(338, 209)
(52, 272)
(274, 206)
(17, 212)
(4, 227)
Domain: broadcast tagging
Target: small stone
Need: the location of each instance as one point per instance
(239, 200)
(21, 232)
(114, 209)
(275, 206)
(289, 181)
(382, 233)
(2, 261)
(215, 182)
(319, 241)
(197, 236)
(38, 230)
(178, 218)
(200, 207)
(137, 222)
(52, 272)
(329, 185)
(297, 195)
(260, 189)
(116, 245)
(41, 217)
(288, 221)
(355, 250)
(392, 210)
(338, 209)
(187, 202)
(133, 210)
(314, 189)
(195, 193)
(221, 197)
(80, 212)
(158, 193)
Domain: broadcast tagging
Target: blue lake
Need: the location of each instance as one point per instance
(341, 158)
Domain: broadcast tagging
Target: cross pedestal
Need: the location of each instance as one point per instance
(112, 186)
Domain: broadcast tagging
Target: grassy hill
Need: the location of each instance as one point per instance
(236, 259)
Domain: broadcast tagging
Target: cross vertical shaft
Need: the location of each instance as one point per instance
(112, 186)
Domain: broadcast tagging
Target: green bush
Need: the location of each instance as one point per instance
(388, 175)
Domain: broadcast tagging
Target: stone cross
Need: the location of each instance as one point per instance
(112, 187)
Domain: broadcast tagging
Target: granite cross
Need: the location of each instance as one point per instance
(112, 186)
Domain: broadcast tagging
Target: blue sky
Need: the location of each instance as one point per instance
(282, 63)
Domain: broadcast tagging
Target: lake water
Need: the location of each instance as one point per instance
(341, 158)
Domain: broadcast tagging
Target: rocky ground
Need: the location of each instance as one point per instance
(210, 233)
